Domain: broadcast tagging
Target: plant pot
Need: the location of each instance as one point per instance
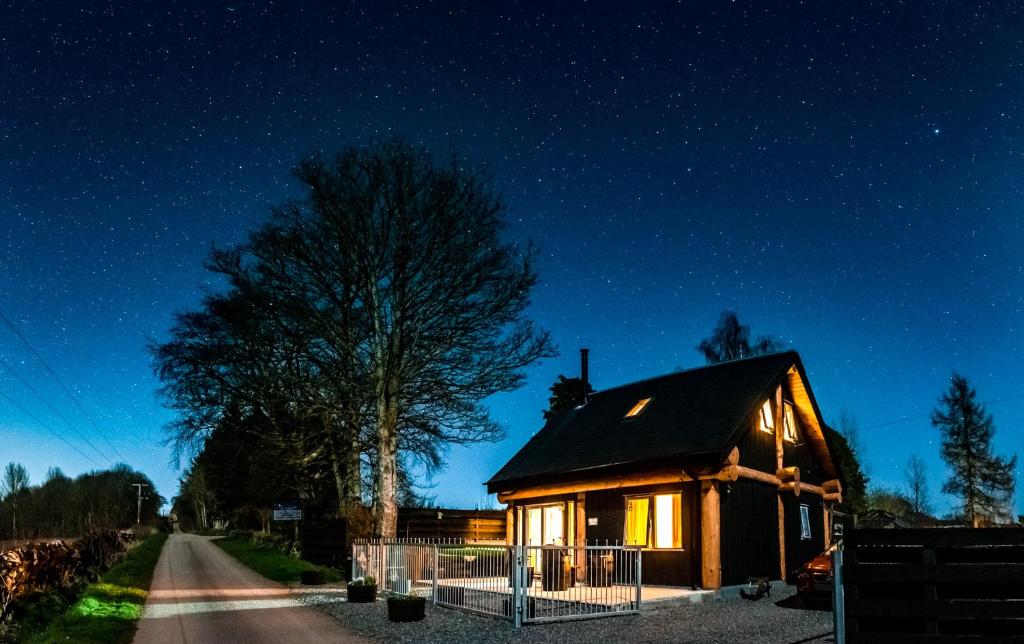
(362, 594)
(312, 577)
(406, 609)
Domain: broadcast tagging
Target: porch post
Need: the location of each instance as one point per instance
(509, 524)
(581, 536)
(710, 531)
(779, 452)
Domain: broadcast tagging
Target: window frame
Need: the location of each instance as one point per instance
(788, 422)
(638, 408)
(767, 423)
(650, 539)
(805, 522)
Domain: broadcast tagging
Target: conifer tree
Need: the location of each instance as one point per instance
(983, 481)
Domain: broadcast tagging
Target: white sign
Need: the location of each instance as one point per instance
(591, 520)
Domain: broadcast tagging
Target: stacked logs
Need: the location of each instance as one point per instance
(38, 567)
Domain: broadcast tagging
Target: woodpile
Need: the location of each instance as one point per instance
(37, 567)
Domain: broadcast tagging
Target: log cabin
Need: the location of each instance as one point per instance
(718, 473)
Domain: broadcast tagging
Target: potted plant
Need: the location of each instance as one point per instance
(406, 608)
(362, 590)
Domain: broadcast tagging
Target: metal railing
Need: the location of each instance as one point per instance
(520, 583)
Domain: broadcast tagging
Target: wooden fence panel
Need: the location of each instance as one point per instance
(934, 584)
(442, 523)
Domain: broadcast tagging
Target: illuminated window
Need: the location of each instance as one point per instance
(805, 522)
(789, 424)
(668, 521)
(662, 529)
(637, 408)
(636, 521)
(767, 421)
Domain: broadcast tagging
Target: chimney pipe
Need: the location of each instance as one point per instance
(585, 373)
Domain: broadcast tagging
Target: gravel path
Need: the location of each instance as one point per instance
(718, 620)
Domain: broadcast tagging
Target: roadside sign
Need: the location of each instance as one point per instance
(287, 511)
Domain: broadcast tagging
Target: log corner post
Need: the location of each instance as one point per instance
(710, 531)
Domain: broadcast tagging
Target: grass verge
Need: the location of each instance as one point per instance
(270, 562)
(107, 610)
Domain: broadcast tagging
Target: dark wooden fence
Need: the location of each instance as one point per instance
(934, 585)
(441, 523)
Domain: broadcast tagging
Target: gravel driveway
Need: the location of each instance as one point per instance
(716, 620)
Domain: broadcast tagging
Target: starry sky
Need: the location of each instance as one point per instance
(846, 175)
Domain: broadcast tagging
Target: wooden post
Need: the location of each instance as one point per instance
(828, 525)
(581, 536)
(779, 452)
(782, 538)
(710, 531)
(510, 525)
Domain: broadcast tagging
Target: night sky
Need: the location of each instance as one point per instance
(846, 176)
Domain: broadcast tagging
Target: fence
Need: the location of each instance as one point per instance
(520, 583)
(930, 585)
(442, 523)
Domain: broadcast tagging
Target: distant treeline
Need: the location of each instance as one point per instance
(68, 507)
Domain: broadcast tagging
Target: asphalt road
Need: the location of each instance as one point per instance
(201, 594)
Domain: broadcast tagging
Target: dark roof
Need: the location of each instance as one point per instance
(694, 412)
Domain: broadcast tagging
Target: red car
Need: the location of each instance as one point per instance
(814, 579)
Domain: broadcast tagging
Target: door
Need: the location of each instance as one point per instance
(545, 526)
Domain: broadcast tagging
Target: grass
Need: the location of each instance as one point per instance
(270, 562)
(106, 611)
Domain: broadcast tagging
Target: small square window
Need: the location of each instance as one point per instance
(636, 409)
(805, 522)
(789, 424)
(767, 421)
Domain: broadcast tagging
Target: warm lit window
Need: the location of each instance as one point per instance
(789, 424)
(805, 522)
(667, 521)
(637, 408)
(636, 521)
(767, 422)
(660, 529)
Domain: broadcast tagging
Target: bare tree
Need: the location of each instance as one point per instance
(15, 482)
(442, 297)
(730, 340)
(915, 474)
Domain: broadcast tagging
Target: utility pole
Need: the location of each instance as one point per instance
(138, 508)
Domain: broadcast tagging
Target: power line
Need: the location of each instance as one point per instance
(906, 419)
(47, 427)
(46, 402)
(61, 383)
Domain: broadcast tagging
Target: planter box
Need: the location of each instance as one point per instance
(406, 609)
(362, 594)
(312, 577)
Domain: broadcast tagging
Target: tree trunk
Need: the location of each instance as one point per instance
(385, 511)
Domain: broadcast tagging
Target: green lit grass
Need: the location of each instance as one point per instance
(106, 611)
(270, 562)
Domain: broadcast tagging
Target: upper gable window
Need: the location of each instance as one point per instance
(767, 420)
(636, 409)
(789, 423)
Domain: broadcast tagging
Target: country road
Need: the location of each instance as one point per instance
(201, 594)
